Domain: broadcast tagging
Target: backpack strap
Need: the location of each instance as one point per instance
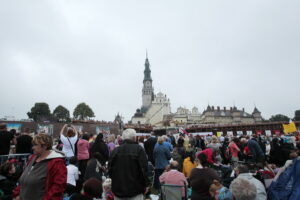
(71, 146)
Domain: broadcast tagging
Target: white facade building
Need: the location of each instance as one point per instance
(156, 110)
(154, 107)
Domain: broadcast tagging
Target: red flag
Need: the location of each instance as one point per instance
(181, 130)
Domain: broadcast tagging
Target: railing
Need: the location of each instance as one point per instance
(20, 158)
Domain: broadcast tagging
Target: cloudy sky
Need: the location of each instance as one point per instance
(218, 52)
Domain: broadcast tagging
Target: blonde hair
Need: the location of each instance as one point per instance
(214, 139)
(160, 140)
(165, 137)
(43, 140)
(111, 138)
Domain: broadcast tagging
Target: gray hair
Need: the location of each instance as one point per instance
(165, 137)
(129, 134)
(242, 189)
(107, 183)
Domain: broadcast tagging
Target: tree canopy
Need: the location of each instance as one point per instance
(83, 112)
(279, 118)
(40, 112)
(62, 114)
(297, 115)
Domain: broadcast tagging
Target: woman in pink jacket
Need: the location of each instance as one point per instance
(83, 153)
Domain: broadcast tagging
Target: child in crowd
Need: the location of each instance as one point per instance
(73, 175)
(7, 181)
(108, 195)
(219, 192)
(92, 189)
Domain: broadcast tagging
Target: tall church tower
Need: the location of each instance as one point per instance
(147, 91)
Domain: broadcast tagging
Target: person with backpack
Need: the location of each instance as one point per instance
(95, 167)
(69, 141)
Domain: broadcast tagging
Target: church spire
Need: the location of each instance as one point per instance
(146, 54)
(147, 71)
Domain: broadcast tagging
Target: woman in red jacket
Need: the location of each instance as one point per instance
(45, 176)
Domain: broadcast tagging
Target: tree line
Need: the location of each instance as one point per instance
(284, 118)
(41, 112)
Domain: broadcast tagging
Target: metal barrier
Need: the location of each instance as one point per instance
(21, 159)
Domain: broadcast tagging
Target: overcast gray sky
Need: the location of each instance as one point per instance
(221, 52)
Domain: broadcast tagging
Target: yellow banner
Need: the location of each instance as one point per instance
(289, 128)
(219, 134)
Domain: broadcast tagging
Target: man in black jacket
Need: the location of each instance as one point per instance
(24, 142)
(149, 147)
(5, 139)
(127, 168)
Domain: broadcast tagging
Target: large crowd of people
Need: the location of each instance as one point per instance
(130, 167)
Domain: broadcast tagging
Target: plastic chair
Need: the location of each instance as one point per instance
(173, 192)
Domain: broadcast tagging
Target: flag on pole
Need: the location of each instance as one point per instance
(289, 128)
(182, 131)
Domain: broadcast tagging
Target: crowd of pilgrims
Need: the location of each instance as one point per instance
(208, 167)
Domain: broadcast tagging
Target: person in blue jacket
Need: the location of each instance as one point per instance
(257, 153)
(161, 155)
(286, 184)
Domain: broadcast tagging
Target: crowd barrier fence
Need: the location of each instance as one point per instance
(21, 159)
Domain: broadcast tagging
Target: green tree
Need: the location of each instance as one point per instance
(279, 118)
(61, 114)
(83, 112)
(297, 115)
(40, 112)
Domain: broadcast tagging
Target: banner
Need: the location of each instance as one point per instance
(17, 127)
(143, 134)
(219, 134)
(289, 128)
(239, 133)
(258, 132)
(249, 133)
(202, 134)
(277, 132)
(229, 133)
(102, 129)
(45, 128)
(268, 132)
(78, 128)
